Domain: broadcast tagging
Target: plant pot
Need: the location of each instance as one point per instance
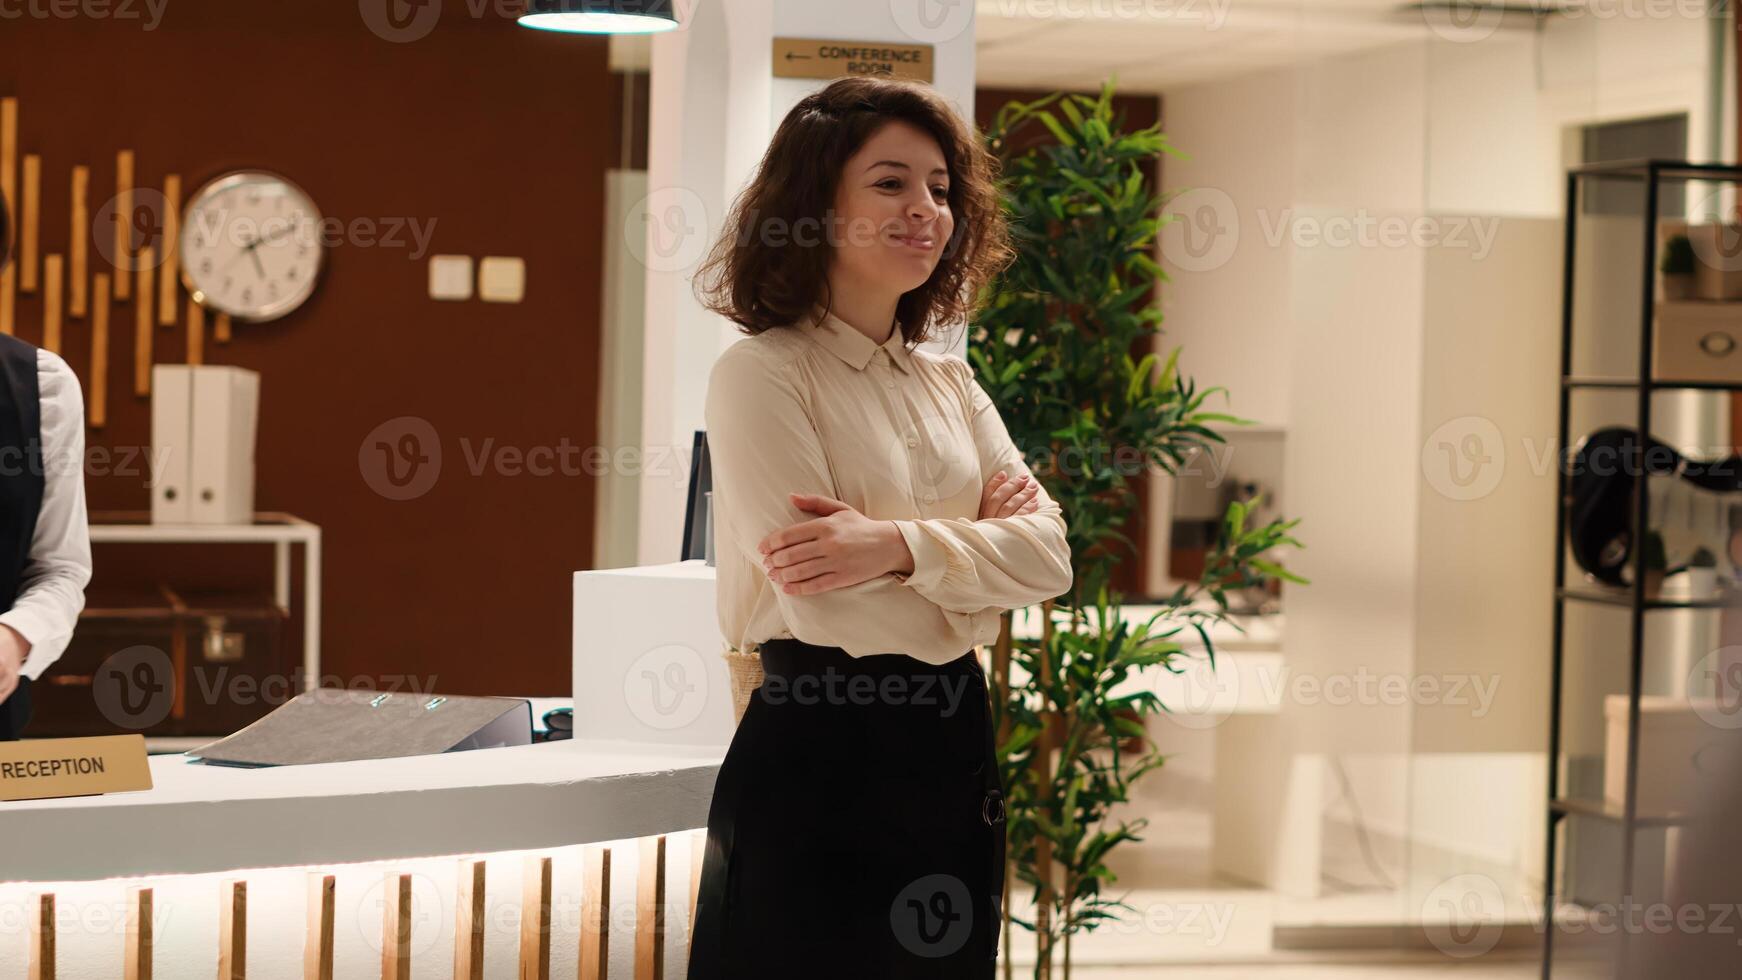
(1679, 286)
(1696, 583)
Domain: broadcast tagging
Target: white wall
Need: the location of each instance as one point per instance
(1354, 432)
(616, 524)
(1228, 308)
(1498, 110)
(713, 107)
(1363, 352)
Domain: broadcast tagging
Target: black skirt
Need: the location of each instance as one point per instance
(857, 825)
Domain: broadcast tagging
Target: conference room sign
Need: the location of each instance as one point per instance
(799, 57)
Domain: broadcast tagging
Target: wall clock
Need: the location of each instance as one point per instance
(250, 245)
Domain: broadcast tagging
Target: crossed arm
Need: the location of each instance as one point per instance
(928, 588)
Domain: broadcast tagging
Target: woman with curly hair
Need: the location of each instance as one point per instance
(872, 519)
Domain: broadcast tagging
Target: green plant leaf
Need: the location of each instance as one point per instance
(1058, 132)
(1067, 343)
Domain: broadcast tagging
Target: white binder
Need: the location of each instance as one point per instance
(171, 442)
(226, 407)
(203, 423)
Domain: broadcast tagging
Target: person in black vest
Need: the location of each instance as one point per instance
(45, 543)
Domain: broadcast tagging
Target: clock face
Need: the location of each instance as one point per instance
(250, 245)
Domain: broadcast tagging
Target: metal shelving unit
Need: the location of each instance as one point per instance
(1650, 174)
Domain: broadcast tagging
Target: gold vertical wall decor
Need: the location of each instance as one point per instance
(41, 954)
(30, 216)
(142, 323)
(8, 189)
(196, 332)
(317, 957)
(469, 920)
(171, 243)
(139, 942)
(221, 328)
(535, 886)
(78, 246)
(99, 386)
(233, 930)
(650, 910)
(51, 302)
(396, 927)
(123, 221)
(595, 942)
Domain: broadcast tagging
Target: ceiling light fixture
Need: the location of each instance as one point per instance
(600, 16)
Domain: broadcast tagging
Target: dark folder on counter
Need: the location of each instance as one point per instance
(344, 725)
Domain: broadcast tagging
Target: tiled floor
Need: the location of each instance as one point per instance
(1190, 923)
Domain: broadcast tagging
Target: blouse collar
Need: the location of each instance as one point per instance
(840, 338)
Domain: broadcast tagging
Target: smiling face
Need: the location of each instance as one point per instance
(893, 211)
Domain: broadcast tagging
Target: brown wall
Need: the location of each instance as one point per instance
(497, 134)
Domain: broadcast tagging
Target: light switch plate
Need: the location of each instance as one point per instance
(450, 277)
(501, 279)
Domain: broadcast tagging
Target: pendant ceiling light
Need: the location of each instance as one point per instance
(600, 16)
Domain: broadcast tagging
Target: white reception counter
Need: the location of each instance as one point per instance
(456, 858)
(201, 818)
(438, 860)
(572, 857)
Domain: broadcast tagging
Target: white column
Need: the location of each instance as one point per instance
(713, 107)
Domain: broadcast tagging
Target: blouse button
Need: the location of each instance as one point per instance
(931, 498)
(912, 442)
(888, 384)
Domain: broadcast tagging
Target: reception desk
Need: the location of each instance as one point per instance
(201, 818)
(578, 857)
(597, 838)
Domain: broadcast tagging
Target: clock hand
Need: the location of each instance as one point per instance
(256, 243)
(249, 248)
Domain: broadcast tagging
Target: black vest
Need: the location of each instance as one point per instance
(20, 462)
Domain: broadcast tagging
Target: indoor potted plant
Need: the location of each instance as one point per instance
(1054, 348)
(1677, 266)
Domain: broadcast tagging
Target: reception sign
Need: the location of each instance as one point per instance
(35, 769)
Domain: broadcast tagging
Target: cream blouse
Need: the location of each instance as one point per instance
(902, 435)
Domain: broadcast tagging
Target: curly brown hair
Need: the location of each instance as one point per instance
(762, 281)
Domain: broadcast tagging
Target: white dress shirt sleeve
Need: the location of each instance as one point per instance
(52, 590)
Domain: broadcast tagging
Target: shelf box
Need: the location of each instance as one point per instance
(1677, 739)
(1698, 341)
(1717, 274)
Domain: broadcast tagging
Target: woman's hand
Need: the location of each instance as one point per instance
(840, 548)
(1006, 498)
